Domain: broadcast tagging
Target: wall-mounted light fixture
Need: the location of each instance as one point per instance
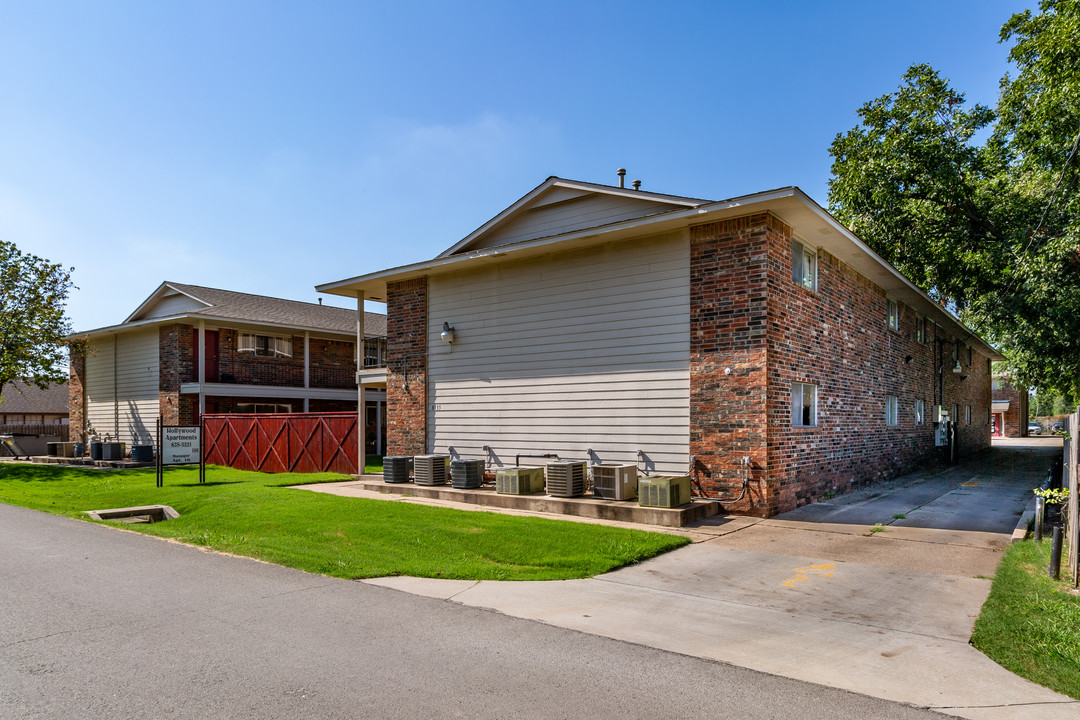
(908, 359)
(447, 334)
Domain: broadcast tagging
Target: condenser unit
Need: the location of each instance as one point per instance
(396, 469)
(112, 451)
(566, 478)
(466, 474)
(430, 469)
(519, 480)
(615, 482)
(663, 491)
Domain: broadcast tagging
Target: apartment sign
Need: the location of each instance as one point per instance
(180, 445)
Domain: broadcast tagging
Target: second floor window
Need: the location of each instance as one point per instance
(803, 265)
(265, 345)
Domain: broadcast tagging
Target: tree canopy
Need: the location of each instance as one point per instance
(981, 206)
(32, 321)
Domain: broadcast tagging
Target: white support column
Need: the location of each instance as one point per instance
(307, 366)
(202, 367)
(361, 409)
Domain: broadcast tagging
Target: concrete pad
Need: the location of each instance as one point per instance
(427, 587)
(910, 667)
(923, 603)
(943, 555)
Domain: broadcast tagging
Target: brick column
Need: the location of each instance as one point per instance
(728, 308)
(76, 390)
(406, 367)
(175, 366)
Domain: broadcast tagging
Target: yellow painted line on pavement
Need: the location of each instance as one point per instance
(802, 574)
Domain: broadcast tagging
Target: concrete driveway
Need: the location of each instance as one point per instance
(874, 592)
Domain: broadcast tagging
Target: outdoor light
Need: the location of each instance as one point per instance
(908, 359)
(447, 334)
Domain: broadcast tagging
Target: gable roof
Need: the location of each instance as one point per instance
(810, 222)
(552, 197)
(205, 303)
(26, 398)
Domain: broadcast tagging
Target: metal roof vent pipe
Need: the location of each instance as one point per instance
(637, 184)
(622, 177)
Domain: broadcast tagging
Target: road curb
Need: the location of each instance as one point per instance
(1024, 523)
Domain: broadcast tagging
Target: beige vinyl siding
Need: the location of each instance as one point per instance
(574, 214)
(172, 305)
(122, 387)
(566, 353)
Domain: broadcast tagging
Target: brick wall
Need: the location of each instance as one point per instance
(1015, 420)
(728, 310)
(406, 342)
(76, 392)
(754, 332)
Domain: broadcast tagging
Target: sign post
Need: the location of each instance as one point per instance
(179, 445)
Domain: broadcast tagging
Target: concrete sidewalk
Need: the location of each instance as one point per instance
(819, 595)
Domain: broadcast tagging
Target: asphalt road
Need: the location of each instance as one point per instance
(96, 622)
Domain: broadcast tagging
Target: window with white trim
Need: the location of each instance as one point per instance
(803, 405)
(892, 314)
(264, 345)
(920, 412)
(967, 414)
(890, 410)
(920, 330)
(803, 265)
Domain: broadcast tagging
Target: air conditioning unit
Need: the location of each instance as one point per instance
(430, 469)
(466, 474)
(396, 468)
(519, 480)
(566, 478)
(663, 491)
(615, 482)
(112, 451)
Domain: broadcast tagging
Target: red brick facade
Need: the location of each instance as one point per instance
(406, 367)
(1015, 419)
(755, 332)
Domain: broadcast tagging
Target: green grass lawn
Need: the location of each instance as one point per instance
(1030, 624)
(254, 514)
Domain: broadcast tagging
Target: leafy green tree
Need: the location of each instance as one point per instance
(991, 228)
(32, 321)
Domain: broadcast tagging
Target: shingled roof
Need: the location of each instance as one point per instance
(22, 398)
(261, 308)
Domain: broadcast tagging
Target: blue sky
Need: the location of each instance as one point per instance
(268, 147)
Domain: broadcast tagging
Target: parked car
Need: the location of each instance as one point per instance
(1034, 428)
(1057, 427)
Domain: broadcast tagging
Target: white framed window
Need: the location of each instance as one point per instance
(803, 405)
(803, 265)
(264, 345)
(920, 412)
(892, 314)
(967, 414)
(920, 330)
(890, 410)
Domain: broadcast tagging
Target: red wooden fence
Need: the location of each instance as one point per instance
(282, 442)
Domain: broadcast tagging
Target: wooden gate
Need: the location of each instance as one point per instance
(283, 442)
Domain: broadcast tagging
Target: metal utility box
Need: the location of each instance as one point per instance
(466, 474)
(615, 482)
(396, 468)
(663, 491)
(566, 478)
(519, 480)
(111, 451)
(430, 469)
